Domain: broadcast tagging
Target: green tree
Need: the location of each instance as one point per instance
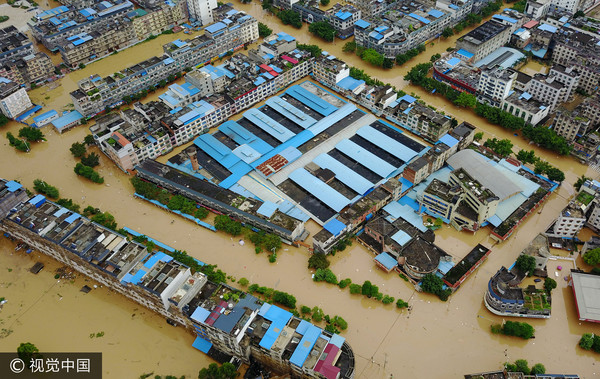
(344, 283)
(525, 264)
(314, 50)
(526, 156)
(466, 100)
(243, 282)
(592, 257)
(322, 29)
(290, 17)
(501, 147)
(46, 189)
(105, 219)
(522, 366)
(91, 160)
(89, 140)
(435, 57)
(447, 32)
(549, 284)
(541, 167)
(373, 57)
(432, 283)
(579, 14)
(586, 341)
(214, 371)
(27, 351)
(401, 304)
(78, 149)
(317, 314)
(325, 2)
(555, 174)
(355, 288)
(304, 310)
(264, 30)
(318, 261)
(538, 369)
(3, 120)
(478, 136)
(88, 172)
(349, 47)
(518, 329)
(325, 275)
(580, 181)
(201, 213)
(31, 134)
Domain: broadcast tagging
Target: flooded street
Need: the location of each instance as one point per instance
(434, 340)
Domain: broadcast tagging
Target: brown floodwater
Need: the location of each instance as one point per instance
(386, 341)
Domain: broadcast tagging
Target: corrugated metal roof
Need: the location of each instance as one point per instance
(319, 189)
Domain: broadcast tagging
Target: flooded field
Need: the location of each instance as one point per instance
(434, 340)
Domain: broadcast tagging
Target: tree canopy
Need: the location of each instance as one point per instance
(592, 257)
(77, 149)
(31, 134)
(323, 29)
(525, 264)
(501, 147)
(264, 30)
(214, 371)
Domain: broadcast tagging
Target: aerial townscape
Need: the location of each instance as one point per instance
(301, 188)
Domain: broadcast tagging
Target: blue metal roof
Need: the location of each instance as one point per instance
(362, 24)
(202, 344)
(44, 116)
(350, 83)
(386, 260)
(12, 186)
(435, 13)
(525, 95)
(215, 27)
(548, 28)
(200, 315)
(453, 61)
(319, 189)
(311, 100)
(334, 226)
(401, 237)
(72, 218)
(291, 112)
(344, 174)
(267, 209)
(381, 28)
(306, 344)
(242, 136)
(465, 53)
(279, 318)
(37, 200)
(495, 220)
(409, 99)
(266, 123)
(387, 143)
(217, 150)
(326, 122)
(337, 340)
(419, 18)
(405, 212)
(66, 119)
(448, 140)
(366, 158)
(343, 15)
(260, 80)
(286, 37)
(179, 43)
(246, 153)
(504, 18)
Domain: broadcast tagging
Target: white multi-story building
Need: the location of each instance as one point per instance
(495, 83)
(13, 98)
(548, 89)
(569, 223)
(202, 10)
(524, 105)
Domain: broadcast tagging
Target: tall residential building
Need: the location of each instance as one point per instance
(484, 39)
(581, 51)
(157, 19)
(13, 98)
(202, 10)
(13, 45)
(571, 124)
(548, 89)
(495, 83)
(30, 69)
(569, 222)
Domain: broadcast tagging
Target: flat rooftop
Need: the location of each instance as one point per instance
(586, 288)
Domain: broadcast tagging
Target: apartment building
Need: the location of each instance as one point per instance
(458, 9)
(537, 9)
(495, 84)
(368, 8)
(105, 39)
(402, 27)
(236, 30)
(13, 45)
(54, 26)
(523, 104)
(569, 222)
(330, 70)
(568, 76)
(484, 39)
(13, 98)
(30, 69)
(343, 18)
(158, 19)
(548, 89)
(571, 124)
(582, 52)
(202, 11)
(590, 108)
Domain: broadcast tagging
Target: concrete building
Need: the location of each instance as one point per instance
(368, 8)
(31, 69)
(524, 105)
(568, 76)
(569, 222)
(484, 39)
(54, 26)
(590, 108)
(404, 26)
(13, 45)
(13, 98)
(330, 70)
(495, 84)
(582, 52)
(537, 9)
(96, 93)
(547, 89)
(343, 18)
(82, 48)
(571, 124)
(458, 9)
(202, 10)
(11, 194)
(156, 20)
(586, 289)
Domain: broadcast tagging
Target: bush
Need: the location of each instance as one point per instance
(387, 299)
(77, 149)
(88, 172)
(355, 288)
(243, 282)
(513, 328)
(587, 341)
(46, 189)
(91, 160)
(318, 261)
(325, 275)
(304, 310)
(401, 304)
(284, 299)
(317, 314)
(344, 283)
(264, 30)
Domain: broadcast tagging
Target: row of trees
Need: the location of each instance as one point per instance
(88, 173)
(544, 137)
(45, 188)
(521, 365)
(541, 167)
(269, 294)
(290, 17)
(410, 54)
(514, 328)
(501, 147)
(26, 135)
